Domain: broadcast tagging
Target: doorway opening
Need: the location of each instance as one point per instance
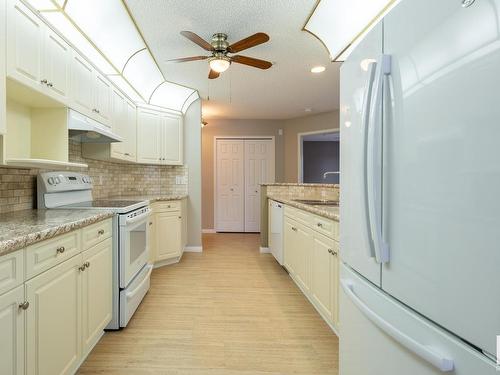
(319, 157)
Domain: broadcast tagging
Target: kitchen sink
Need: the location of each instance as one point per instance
(318, 202)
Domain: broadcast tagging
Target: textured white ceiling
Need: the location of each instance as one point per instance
(283, 91)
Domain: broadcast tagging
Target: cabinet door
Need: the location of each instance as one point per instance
(97, 293)
(82, 75)
(102, 99)
(131, 133)
(303, 250)
(119, 124)
(321, 275)
(53, 320)
(289, 241)
(24, 44)
(56, 63)
(3, 41)
(12, 332)
(168, 235)
(172, 140)
(148, 142)
(151, 236)
(334, 285)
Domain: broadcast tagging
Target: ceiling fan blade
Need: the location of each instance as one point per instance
(186, 59)
(197, 39)
(213, 74)
(256, 63)
(251, 41)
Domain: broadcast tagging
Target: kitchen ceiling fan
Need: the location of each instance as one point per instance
(219, 60)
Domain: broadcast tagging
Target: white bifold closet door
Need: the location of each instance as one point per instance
(242, 165)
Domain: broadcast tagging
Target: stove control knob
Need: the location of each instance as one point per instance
(57, 180)
(51, 180)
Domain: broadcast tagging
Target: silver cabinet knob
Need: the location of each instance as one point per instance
(126, 154)
(24, 305)
(60, 250)
(87, 264)
(82, 268)
(231, 189)
(330, 251)
(44, 81)
(100, 232)
(150, 223)
(50, 84)
(294, 229)
(320, 225)
(180, 217)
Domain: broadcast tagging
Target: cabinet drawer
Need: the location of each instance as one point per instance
(95, 233)
(300, 216)
(11, 270)
(325, 226)
(44, 255)
(167, 206)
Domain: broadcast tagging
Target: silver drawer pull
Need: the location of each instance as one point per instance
(82, 267)
(100, 232)
(60, 250)
(87, 264)
(320, 225)
(330, 251)
(24, 305)
(294, 229)
(44, 81)
(50, 84)
(150, 223)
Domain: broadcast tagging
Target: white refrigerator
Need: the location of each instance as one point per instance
(420, 202)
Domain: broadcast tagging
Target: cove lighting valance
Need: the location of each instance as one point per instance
(104, 32)
(341, 24)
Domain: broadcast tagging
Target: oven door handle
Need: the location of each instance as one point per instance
(138, 218)
(139, 287)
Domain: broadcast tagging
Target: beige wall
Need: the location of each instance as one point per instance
(233, 128)
(322, 121)
(192, 160)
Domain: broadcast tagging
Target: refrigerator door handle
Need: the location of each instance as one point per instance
(425, 352)
(374, 162)
(365, 118)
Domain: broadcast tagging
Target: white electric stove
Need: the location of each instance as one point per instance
(131, 271)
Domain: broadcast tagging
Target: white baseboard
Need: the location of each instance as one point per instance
(265, 250)
(193, 249)
(166, 262)
(208, 231)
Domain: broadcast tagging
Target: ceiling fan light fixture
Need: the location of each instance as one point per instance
(219, 64)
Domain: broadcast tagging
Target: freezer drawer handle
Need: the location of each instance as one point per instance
(425, 352)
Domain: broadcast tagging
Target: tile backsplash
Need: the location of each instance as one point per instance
(18, 186)
(305, 191)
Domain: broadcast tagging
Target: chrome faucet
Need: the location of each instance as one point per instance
(325, 175)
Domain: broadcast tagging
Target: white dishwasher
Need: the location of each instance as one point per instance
(276, 231)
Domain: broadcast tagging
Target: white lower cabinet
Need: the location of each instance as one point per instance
(12, 332)
(167, 231)
(53, 320)
(311, 256)
(96, 293)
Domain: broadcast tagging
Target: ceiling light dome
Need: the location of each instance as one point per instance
(220, 64)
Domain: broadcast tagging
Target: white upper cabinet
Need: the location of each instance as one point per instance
(119, 123)
(148, 137)
(55, 65)
(172, 139)
(159, 137)
(102, 99)
(24, 44)
(81, 84)
(36, 55)
(130, 142)
(3, 103)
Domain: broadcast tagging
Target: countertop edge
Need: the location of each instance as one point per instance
(20, 242)
(305, 207)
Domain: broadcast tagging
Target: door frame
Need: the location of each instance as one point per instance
(271, 138)
(300, 160)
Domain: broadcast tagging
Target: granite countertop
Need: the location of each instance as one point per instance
(300, 184)
(151, 198)
(325, 211)
(23, 228)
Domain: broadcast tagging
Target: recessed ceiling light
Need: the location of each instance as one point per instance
(308, 110)
(318, 69)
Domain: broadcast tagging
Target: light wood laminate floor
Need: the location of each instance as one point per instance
(228, 310)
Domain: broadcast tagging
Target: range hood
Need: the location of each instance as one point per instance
(86, 130)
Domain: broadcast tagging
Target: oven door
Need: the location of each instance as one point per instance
(133, 244)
